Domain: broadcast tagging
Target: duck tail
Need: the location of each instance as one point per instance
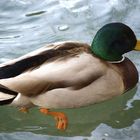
(6, 95)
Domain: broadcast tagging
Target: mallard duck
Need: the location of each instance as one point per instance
(71, 74)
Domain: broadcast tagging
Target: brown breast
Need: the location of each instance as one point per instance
(129, 73)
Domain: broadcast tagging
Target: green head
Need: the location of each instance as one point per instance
(112, 41)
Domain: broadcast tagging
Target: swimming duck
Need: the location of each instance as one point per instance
(71, 74)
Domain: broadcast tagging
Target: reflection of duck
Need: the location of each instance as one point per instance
(71, 74)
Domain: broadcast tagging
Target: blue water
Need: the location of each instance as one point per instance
(28, 25)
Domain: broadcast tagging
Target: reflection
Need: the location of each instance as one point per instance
(125, 117)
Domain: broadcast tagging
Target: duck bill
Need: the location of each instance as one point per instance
(137, 48)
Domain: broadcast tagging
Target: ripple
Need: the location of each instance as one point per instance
(31, 128)
(10, 37)
(35, 13)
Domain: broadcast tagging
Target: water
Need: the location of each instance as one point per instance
(28, 25)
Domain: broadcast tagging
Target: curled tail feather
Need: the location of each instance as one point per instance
(6, 95)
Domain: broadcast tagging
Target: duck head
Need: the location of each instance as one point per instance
(113, 40)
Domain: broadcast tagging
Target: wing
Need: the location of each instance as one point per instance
(33, 60)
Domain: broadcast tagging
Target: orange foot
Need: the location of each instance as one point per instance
(61, 118)
(23, 109)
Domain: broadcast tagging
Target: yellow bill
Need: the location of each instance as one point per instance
(137, 48)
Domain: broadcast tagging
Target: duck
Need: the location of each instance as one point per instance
(71, 74)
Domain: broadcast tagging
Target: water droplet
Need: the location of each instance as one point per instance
(117, 121)
(63, 27)
(106, 134)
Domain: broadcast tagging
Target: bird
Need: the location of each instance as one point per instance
(71, 74)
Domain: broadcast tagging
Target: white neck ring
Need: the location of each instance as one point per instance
(117, 61)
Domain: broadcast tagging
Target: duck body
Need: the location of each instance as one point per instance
(71, 74)
(65, 75)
